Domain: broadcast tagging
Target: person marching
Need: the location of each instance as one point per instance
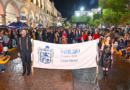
(107, 56)
(24, 48)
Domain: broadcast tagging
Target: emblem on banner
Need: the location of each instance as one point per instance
(45, 55)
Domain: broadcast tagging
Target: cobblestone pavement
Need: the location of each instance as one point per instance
(83, 79)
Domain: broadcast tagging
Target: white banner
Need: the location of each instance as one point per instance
(65, 56)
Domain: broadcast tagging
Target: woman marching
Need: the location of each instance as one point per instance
(64, 37)
(57, 37)
(107, 56)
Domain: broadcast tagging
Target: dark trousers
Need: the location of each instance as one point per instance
(44, 38)
(26, 60)
(76, 40)
(69, 41)
(51, 40)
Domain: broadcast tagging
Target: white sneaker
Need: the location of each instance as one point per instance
(2, 71)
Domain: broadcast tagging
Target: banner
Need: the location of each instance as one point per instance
(65, 56)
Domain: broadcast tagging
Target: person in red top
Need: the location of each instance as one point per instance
(0, 48)
(96, 35)
(127, 51)
(85, 36)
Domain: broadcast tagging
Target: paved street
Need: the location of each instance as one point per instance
(83, 79)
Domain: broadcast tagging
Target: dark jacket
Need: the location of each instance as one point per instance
(90, 33)
(24, 45)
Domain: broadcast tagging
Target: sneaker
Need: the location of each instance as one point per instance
(2, 71)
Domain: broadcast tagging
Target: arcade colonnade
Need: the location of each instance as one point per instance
(32, 12)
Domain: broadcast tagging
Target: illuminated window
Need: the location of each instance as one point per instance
(32, 1)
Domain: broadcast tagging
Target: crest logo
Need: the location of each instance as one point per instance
(45, 55)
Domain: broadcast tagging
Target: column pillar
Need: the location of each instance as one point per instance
(28, 21)
(34, 24)
(42, 22)
(3, 20)
(18, 19)
(27, 18)
(38, 21)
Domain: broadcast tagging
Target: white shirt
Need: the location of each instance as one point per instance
(90, 38)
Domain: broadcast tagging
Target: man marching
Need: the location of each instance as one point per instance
(24, 48)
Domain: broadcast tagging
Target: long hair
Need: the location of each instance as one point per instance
(110, 42)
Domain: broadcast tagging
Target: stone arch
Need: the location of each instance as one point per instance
(41, 18)
(25, 9)
(15, 7)
(38, 16)
(32, 13)
(2, 12)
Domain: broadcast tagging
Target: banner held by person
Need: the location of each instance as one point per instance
(65, 56)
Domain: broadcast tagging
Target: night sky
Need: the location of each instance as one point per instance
(66, 7)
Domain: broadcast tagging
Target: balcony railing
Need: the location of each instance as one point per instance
(37, 7)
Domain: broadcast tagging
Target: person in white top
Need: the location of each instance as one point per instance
(90, 37)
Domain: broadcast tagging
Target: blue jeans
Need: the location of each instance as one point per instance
(119, 48)
(13, 43)
(60, 41)
(2, 66)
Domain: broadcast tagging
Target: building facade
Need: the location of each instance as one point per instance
(96, 11)
(32, 12)
(60, 19)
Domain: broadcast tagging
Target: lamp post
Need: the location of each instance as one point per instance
(90, 14)
(77, 14)
(82, 10)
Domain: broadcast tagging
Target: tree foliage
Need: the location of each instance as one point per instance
(71, 25)
(82, 18)
(117, 9)
(67, 24)
(96, 22)
(91, 23)
(63, 24)
(110, 17)
(96, 16)
(125, 19)
(115, 5)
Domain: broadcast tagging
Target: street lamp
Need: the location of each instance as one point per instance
(77, 14)
(99, 8)
(82, 8)
(90, 13)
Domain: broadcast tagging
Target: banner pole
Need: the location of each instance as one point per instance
(97, 86)
(32, 58)
(97, 60)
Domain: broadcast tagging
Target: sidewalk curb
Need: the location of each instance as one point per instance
(12, 49)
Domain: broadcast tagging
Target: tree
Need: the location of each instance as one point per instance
(82, 18)
(91, 24)
(67, 24)
(110, 17)
(125, 19)
(96, 16)
(126, 3)
(63, 24)
(71, 25)
(115, 5)
(96, 22)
